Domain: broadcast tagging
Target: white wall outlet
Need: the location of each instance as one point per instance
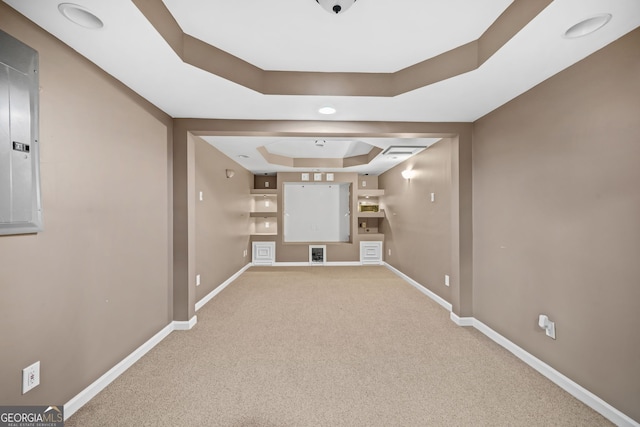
(433, 197)
(30, 377)
(551, 330)
(244, 253)
(364, 184)
(548, 326)
(197, 280)
(201, 196)
(446, 277)
(389, 251)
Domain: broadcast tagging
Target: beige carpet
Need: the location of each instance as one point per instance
(330, 346)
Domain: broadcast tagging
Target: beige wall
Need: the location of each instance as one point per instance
(418, 231)
(556, 181)
(222, 217)
(369, 181)
(95, 284)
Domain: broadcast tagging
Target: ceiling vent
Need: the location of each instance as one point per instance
(403, 150)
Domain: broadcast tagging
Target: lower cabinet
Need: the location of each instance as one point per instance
(263, 253)
(371, 253)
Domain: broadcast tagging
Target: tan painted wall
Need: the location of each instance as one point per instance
(418, 231)
(222, 217)
(94, 285)
(557, 222)
(369, 181)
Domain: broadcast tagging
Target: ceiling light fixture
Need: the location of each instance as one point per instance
(588, 26)
(336, 6)
(80, 15)
(327, 110)
(320, 142)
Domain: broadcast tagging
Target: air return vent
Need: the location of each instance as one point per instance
(403, 150)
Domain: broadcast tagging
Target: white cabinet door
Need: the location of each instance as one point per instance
(371, 252)
(263, 253)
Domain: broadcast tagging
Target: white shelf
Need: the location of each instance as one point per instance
(379, 214)
(263, 191)
(263, 214)
(373, 192)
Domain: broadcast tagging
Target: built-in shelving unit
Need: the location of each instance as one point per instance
(264, 211)
(369, 212)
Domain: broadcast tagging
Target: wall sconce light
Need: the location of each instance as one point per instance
(230, 173)
(408, 174)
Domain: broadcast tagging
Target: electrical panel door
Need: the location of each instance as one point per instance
(20, 206)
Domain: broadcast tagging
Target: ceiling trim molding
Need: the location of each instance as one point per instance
(319, 128)
(319, 162)
(460, 60)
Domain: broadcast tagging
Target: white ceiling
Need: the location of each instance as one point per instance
(372, 36)
(237, 148)
(298, 35)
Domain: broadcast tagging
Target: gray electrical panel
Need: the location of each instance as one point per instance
(20, 205)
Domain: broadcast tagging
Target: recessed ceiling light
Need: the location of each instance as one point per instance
(327, 110)
(80, 15)
(588, 26)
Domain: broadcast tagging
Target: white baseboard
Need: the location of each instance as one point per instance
(185, 325)
(98, 385)
(444, 303)
(461, 321)
(319, 264)
(77, 402)
(220, 287)
(571, 387)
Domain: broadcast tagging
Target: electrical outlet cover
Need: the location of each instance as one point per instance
(30, 377)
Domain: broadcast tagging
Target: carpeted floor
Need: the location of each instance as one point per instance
(329, 346)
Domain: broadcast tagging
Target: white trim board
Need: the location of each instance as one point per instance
(79, 400)
(576, 390)
(444, 303)
(220, 287)
(185, 325)
(320, 264)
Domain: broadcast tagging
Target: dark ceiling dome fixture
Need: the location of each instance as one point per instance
(336, 6)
